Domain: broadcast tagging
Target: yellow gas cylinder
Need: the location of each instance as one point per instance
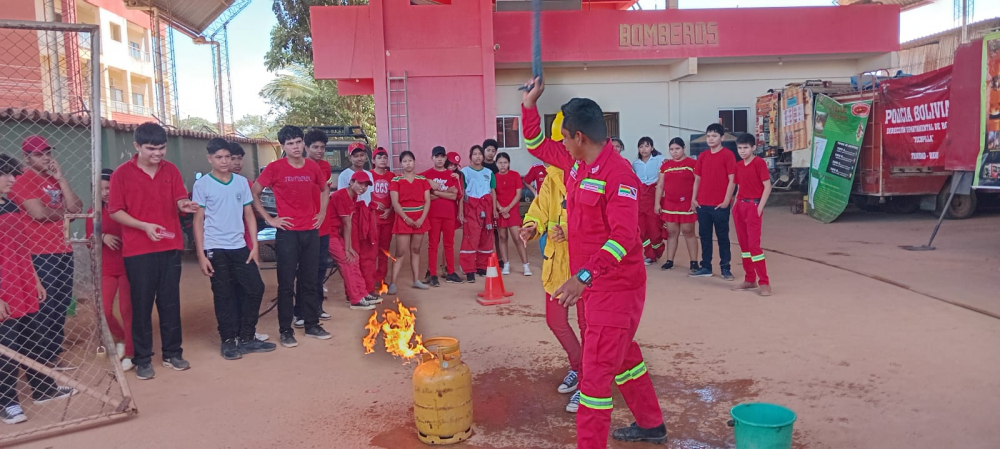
(442, 394)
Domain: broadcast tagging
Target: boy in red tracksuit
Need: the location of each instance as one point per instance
(343, 206)
(385, 217)
(444, 194)
(754, 183)
(606, 258)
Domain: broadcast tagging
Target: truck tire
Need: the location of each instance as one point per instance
(902, 205)
(962, 206)
(866, 203)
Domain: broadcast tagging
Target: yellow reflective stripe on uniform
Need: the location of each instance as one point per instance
(534, 219)
(745, 255)
(631, 374)
(534, 142)
(670, 212)
(758, 258)
(596, 403)
(677, 169)
(615, 249)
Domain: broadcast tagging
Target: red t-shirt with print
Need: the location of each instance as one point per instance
(296, 191)
(442, 208)
(380, 194)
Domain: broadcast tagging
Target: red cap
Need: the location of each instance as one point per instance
(35, 144)
(454, 157)
(379, 151)
(361, 176)
(352, 148)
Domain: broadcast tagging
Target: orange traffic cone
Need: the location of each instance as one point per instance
(494, 293)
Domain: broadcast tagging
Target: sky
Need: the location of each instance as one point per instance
(249, 39)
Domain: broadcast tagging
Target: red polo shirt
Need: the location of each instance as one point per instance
(714, 170)
(42, 237)
(750, 178)
(151, 200)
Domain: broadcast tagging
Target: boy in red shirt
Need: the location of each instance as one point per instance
(20, 293)
(315, 142)
(147, 193)
(713, 189)
(444, 196)
(296, 181)
(44, 195)
(343, 205)
(754, 182)
(385, 217)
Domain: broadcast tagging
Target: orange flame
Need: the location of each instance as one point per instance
(398, 329)
(388, 255)
(383, 289)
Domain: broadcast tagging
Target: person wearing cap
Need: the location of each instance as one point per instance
(315, 142)
(385, 217)
(359, 157)
(364, 246)
(455, 164)
(344, 205)
(146, 198)
(411, 199)
(44, 195)
(113, 279)
(444, 196)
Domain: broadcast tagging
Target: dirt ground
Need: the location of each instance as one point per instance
(853, 340)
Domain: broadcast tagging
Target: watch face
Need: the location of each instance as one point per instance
(584, 276)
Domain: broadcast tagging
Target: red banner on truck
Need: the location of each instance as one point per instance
(915, 122)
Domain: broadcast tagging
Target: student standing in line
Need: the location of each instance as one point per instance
(44, 195)
(359, 157)
(443, 221)
(343, 205)
(713, 190)
(490, 155)
(674, 191)
(477, 229)
(411, 199)
(754, 187)
(224, 201)
(147, 194)
(315, 142)
(237, 153)
(382, 176)
(647, 168)
(507, 206)
(365, 247)
(295, 182)
(113, 279)
(21, 291)
(618, 145)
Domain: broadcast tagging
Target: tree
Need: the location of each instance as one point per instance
(197, 124)
(256, 127)
(295, 95)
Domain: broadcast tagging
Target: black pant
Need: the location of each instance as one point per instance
(25, 336)
(155, 278)
(236, 309)
(324, 258)
(56, 274)
(711, 217)
(298, 256)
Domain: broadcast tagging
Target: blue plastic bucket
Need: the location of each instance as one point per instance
(759, 425)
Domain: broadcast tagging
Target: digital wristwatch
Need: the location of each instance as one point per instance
(585, 277)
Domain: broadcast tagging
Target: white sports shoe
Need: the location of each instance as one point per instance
(261, 337)
(574, 403)
(506, 268)
(127, 365)
(527, 269)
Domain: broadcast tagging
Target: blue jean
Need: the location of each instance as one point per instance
(709, 218)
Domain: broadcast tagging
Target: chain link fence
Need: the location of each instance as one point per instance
(59, 364)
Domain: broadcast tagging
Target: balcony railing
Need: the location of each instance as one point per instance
(119, 106)
(124, 108)
(139, 109)
(139, 55)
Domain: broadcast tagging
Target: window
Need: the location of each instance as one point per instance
(135, 50)
(734, 120)
(137, 99)
(610, 121)
(116, 32)
(116, 94)
(508, 132)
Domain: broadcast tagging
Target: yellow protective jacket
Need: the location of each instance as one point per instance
(547, 210)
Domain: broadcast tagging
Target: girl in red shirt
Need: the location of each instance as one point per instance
(113, 279)
(411, 200)
(674, 190)
(506, 207)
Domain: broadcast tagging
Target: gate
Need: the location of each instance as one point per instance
(59, 367)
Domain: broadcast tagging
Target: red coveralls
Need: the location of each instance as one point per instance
(364, 239)
(380, 195)
(602, 212)
(477, 233)
(750, 179)
(651, 227)
(443, 222)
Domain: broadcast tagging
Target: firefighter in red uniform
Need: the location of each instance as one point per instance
(607, 262)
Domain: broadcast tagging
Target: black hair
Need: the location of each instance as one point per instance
(150, 133)
(490, 143)
(315, 136)
(289, 132)
(406, 153)
(676, 141)
(615, 139)
(473, 150)
(585, 116)
(448, 164)
(502, 154)
(746, 139)
(649, 140)
(9, 165)
(716, 128)
(236, 149)
(217, 143)
(106, 174)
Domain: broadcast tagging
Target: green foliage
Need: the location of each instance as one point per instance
(256, 127)
(198, 124)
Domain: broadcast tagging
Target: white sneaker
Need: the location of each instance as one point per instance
(527, 269)
(420, 285)
(298, 323)
(648, 261)
(569, 383)
(574, 403)
(506, 268)
(120, 349)
(261, 337)
(127, 365)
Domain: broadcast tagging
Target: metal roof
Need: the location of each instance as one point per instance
(189, 16)
(903, 4)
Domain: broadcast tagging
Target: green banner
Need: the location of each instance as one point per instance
(838, 129)
(988, 163)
